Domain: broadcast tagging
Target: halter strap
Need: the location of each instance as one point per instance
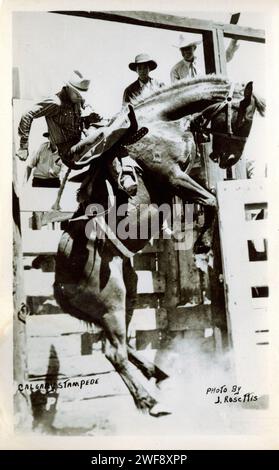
(215, 109)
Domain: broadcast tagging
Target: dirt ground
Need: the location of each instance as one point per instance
(89, 398)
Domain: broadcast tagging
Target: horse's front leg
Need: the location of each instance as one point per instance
(114, 325)
(188, 189)
(148, 369)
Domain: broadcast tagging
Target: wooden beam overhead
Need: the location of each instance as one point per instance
(171, 22)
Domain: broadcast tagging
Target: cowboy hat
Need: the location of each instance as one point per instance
(184, 42)
(78, 82)
(142, 59)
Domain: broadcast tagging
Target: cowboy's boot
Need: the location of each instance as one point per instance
(124, 170)
(128, 179)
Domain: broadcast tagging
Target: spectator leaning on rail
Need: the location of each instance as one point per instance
(142, 65)
(187, 68)
(65, 121)
(46, 166)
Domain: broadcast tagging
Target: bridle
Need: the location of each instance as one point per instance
(199, 125)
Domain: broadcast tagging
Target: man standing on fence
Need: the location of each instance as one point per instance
(187, 67)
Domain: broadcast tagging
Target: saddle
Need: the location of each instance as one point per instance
(112, 140)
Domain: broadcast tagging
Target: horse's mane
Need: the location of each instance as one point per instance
(147, 96)
(144, 97)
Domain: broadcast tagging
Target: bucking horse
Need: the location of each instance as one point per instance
(91, 276)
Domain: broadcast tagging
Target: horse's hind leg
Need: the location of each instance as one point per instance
(116, 353)
(131, 281)
(148, 369)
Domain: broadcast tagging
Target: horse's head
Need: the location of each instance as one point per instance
(231, 122)
(214, 101)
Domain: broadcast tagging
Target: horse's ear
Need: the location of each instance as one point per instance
(248, 90)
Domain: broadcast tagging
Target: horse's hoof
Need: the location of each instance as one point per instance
(159, 410)
(162, 381)
(161, 377)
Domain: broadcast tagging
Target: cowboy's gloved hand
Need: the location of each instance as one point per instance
(22, 154)
(91, 119)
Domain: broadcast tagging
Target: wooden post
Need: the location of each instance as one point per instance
(215, 62)
(22, 406)
(22, 409)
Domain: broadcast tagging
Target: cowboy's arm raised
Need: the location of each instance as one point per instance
(174, 75)
(126, 97)
(47, 107)
(232, 48)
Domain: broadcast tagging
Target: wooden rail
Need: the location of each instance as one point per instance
(171, 22)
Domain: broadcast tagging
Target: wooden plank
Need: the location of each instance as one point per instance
(44, 242)
(68, 366)
(40, 283)
(149, 300)
(244, 319)
(22, 406)
(189, 276)
(150, 282)
(143, 319)
(145, 261)
(149, 339)
(65, 346)
(43, 305)
(89, 342)
(55, 325)
(41, 199)
(192, 318)
(176, 340)
(162, 318)
(109, 385)
(168, 264)
(222, 63)
(171, 22)
(212, 170)
(208, 52)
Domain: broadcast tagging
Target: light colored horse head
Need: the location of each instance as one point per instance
(164, 111)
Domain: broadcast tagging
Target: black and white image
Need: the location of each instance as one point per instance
(140, 223)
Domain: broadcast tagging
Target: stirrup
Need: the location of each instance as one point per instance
(128, 181)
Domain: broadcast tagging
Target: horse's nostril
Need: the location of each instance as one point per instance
(213, 157)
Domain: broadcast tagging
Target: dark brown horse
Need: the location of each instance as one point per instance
(92, 278)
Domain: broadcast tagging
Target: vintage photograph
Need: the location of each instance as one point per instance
(140, 223)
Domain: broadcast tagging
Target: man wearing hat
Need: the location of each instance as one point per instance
(46, 166)
(142, 65)
(66, 123)
(63, 114)
(186, 68)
